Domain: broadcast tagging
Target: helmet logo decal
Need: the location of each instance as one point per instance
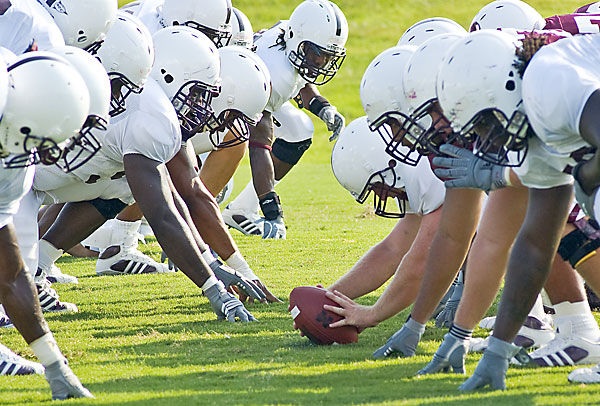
(57, 5)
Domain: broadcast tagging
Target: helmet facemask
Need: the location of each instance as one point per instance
(382, 190)
(82, 147)
(93, 48)
(495, 136)
(316, 64)
(400, 137)
(36, 150)
(122, 87)
(220, 37)
(233, 121)
(192, 103)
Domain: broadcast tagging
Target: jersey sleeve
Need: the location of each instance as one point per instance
(151, 137)
(579, 23)
(543, 169)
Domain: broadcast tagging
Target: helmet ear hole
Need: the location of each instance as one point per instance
(510, 85)
(169, 78)
(25, 130)
(291, 34)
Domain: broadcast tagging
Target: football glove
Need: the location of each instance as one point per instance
(446, 316)
(403, 343)
(492, 367)
(170, 264)
(63, 382)
(225, 305)
(274, 229)
(451, 353)
(465, 170)
(229, 277)
(334, 120)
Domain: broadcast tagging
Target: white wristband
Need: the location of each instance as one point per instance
(211, 281)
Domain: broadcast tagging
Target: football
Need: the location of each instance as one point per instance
(306, 308)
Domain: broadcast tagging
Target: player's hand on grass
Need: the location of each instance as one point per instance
(492, 367)
(231, 278)
(404, 341)
(225, 305)
(450, 354)
(63, 382)
(353, 313)
(269, 297)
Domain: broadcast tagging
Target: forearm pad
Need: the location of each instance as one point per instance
(271, 206)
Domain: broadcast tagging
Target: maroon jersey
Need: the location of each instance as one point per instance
(579, 23)
(589, 8)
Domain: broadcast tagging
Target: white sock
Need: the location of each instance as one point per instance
(208, 257)
(576, 319)
(238, 263)
(211, 281)
(48, 255)
(46, 349)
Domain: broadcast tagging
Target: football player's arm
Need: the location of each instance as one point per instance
(378, 264)
(312, 100)
(149, 183)
(402, 290)
(588, 174)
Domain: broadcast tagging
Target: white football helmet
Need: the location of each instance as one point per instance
(361, 166)
(507, 14)
(593, 8)
(479, 91)
(83, 23)
(187, 67)
(98, 85)
(212, 17)
(315, 39)
(421, 31)
(127, 54)
(3, 83)
(242, 33)
(419, 84)
(382, 97)
(36, 129)
(245, 91)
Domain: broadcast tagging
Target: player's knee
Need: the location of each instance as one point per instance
(108, 208)
(290, 152)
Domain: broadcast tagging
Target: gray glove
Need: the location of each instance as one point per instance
(225, 305)
(451, 353)
(170, 264)
(465, 170)
(334, 120)
(63, 382)
(446, 316)
(404, 341)
(585, 201)
(274, 229)
(492, 367)
(229, 277)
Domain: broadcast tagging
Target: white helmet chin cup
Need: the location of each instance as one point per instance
(315, 40)
(507, 14)
(211, 17)
(428, 28)
(187, 68)
(358, 160)
(44, 123)
(242, 33)
(127, 54)
(245, 91)
(83, 23)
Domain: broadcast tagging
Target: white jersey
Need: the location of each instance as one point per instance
(285, 80)
(14, 184)
(26, 21)
(425, 191)
(149, 12)
(148, 127)
(556, 86)
(543, 167)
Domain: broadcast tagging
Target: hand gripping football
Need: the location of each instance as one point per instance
(306, 307)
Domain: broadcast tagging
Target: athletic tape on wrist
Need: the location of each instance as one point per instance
(316, 104)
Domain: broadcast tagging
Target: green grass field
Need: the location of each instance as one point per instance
(152, 339)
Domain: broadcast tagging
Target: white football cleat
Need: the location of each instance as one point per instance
(129, 262)
(534, 333)
(49, 300)
(488, 322)
(13, 364)
(585, 375)
(566, 351)
(55, 275)
(248, 223)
